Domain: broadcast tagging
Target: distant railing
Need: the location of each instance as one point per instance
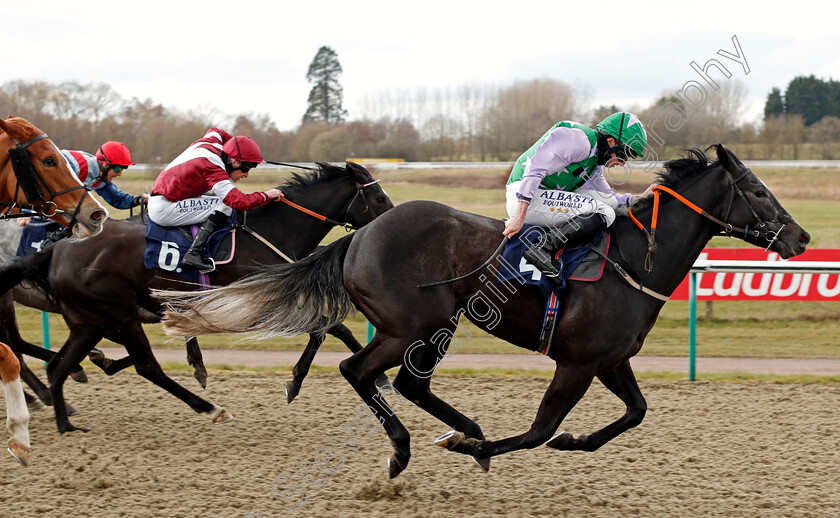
(401, 166)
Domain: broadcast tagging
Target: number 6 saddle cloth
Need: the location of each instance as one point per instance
(166, 246)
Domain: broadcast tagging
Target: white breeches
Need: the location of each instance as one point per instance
(553, 208)
(185, 212)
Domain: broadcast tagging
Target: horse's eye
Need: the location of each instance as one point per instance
(380, 199)
(760, 194)
(49, 162)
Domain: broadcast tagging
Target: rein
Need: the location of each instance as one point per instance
(485, 263)
(728, 228)
(360, 187)
(345, 225)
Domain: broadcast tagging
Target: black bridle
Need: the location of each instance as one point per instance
(360, 194)
(727, 229)
(29, 180)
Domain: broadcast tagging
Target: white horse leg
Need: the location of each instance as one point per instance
(17, 414)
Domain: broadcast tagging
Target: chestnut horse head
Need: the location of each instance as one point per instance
(34, 175)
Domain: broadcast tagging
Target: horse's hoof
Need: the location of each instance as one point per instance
(96, 354)
(484, 464)
(35, 405)
(450, 439)
(292, 390)
(70, 428)
(79, 375)
(560, 441)
(394, 466)
(222, 416)
(19, 452)
(201, 377)
(71, 410)
(382, 381)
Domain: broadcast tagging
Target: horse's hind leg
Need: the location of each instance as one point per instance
(109, 366)
(413, 381)
(622, 383)
(135, 342)
(343, 333)
(29, 377)
(565, 390)
(361, 370)
(17, 415)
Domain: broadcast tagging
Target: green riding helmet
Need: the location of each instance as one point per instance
(628, 129)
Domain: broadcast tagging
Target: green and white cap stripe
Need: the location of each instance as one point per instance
(627, 128)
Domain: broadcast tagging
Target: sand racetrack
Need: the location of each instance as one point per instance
(704, 449)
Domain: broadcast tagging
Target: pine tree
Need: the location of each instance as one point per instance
(775, 105)
(326, 96)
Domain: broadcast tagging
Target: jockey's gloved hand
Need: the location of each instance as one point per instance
(137, 200)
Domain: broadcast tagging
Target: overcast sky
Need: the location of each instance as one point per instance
(252, 56)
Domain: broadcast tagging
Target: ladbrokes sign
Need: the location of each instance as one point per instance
(764, 286)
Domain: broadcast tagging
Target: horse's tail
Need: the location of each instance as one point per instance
(306, 296)
(34, 268)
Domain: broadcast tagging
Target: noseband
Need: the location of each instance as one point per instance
(29, 180)
(360, 194)
(727, 228)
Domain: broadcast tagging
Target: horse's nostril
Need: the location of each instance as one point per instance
(97, 215)
(804, 238)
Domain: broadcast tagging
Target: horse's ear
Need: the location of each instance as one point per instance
(358, 171)
(724, 157)
(3, 126)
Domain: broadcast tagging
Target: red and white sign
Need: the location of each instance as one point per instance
(764, 286)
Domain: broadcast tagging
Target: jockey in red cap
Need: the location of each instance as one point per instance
(97, 173)
(210, 165)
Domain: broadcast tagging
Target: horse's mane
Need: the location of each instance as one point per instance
(676, 172)
(300, 182)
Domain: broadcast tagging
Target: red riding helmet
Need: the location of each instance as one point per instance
(114, 153)
(244, 149)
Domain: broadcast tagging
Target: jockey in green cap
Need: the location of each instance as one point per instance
(559, 183)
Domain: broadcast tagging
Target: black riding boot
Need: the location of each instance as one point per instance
(194, 257)
(575, 232)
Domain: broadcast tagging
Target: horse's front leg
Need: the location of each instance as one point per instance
(196, 360)
(301, 368)
(622, 383)
(565, 390)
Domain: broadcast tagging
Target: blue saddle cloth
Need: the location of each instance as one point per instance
(34, 234)
(515, 267)
(166, 246)
(525, 271)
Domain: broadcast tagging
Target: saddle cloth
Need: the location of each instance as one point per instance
(34, 234)
(166, 246)
(579, 263)
(517, 268)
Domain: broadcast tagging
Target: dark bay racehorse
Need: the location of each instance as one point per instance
(601, 326)
(99, 285)
(35, 176)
